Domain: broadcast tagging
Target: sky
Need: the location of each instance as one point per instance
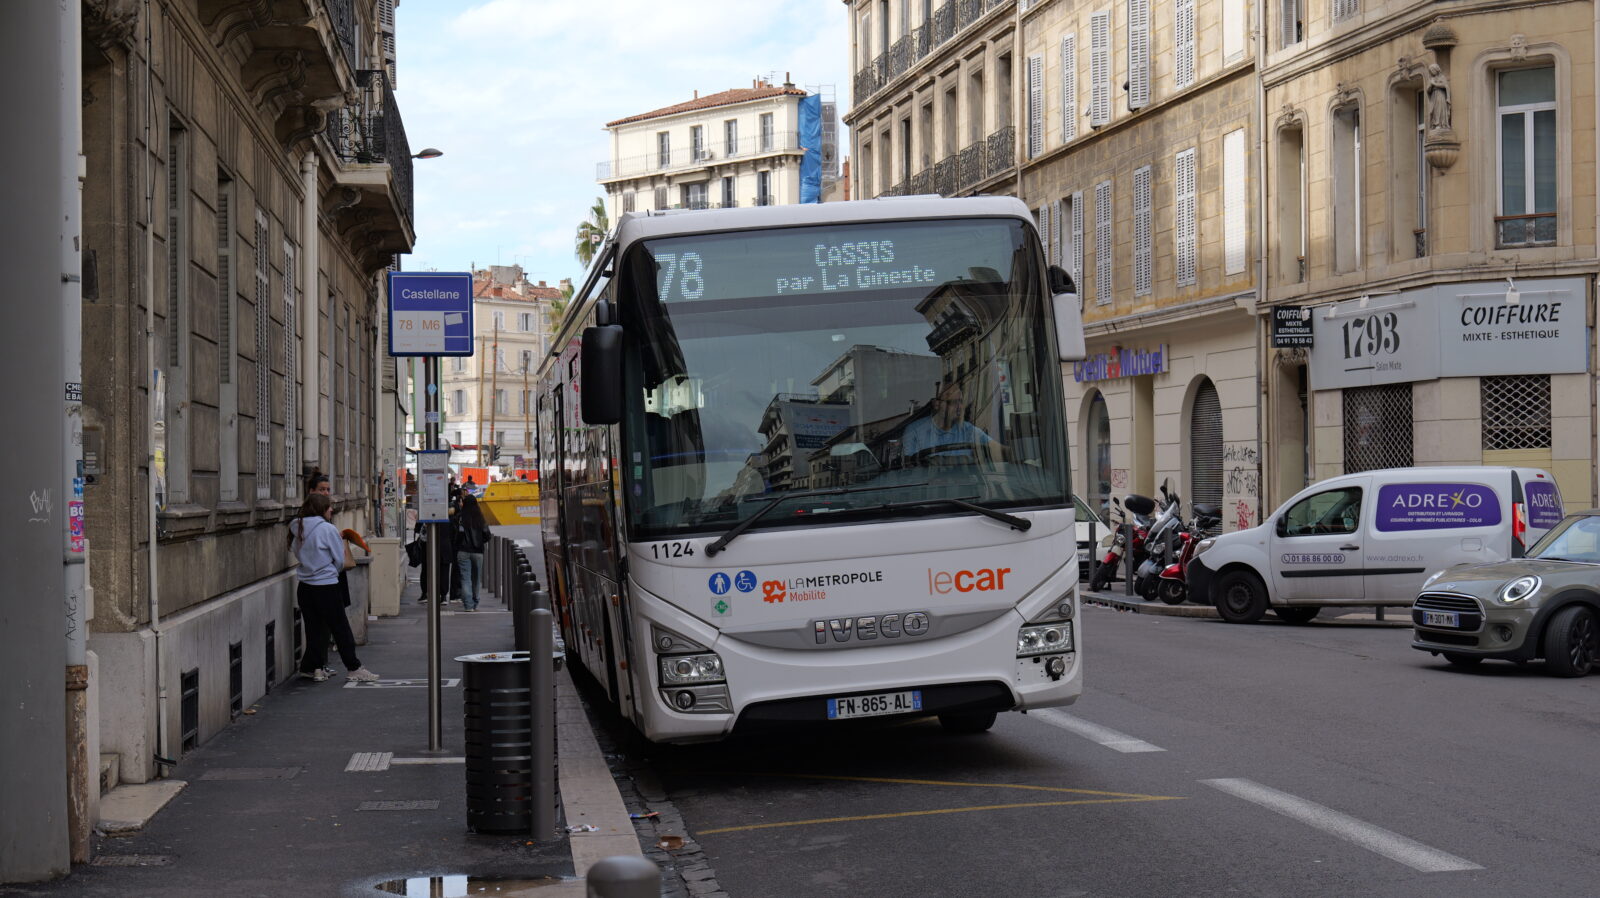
(517, 93)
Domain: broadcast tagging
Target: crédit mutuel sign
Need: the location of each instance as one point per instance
(1120, 362)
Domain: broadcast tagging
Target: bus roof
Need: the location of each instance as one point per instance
(647, 225)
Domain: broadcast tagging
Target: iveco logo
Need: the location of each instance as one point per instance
(889, 626)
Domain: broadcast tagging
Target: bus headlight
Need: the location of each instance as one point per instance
(1044, 639)
(677, 670)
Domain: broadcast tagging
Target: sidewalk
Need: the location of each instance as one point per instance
(1367, 615)
(274, 806)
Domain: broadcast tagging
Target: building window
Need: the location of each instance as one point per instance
(458, 403)
(1069, 87)
(627, 201)
(1183, 68)
(457, 364)
(525, 321)
(1139, 53)
(1235, 204)
(1099, 69)
(1185, 230)
(1205, 446)
(661, 197)
(766, 132)
(663, 149)
(764, 188)
(905, 149)
(1346, 9)
(227, 351)
(1516, 412)
(1410, 185)
(1234, 23)
(1102, 242)
(1097, 440)
(1293, 13)
(1527, 107)
(1142, 226)
(291, 368)
(499, 321)
(729, 200)
(1346, 188)
(175, 402)
(263, 300)
(525, 357)
(697, 144)
(499, 402)
(1377, 428)
(1291, 205)
(1035, 106)
(1072, 249)
(694, 195)
(975, 132)
(866, 169)
(886, 161)
(730, 138)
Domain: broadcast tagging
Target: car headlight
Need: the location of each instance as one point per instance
(1044, 639)
(1517, 590)
(1201, 547)
(677, 670)
(1433, 578)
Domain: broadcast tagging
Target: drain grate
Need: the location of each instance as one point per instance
(251, 773)
(425, 805)
(131, 860)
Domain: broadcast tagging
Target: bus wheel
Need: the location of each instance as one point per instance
(1241, 597)
(967, 721)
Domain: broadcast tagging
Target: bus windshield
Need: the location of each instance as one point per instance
(856, 369)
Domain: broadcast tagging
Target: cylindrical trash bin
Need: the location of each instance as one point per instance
(499, 741)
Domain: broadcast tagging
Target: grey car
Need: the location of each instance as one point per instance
(1543, 605)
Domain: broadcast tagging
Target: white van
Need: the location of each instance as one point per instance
(1371, 539)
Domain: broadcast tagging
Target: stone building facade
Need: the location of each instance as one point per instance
(248, 183)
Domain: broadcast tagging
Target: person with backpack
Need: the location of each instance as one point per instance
(471, 535)
(320, 550)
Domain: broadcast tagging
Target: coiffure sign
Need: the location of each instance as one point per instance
(1121, 362)
(1452, 330)
(1436, 506)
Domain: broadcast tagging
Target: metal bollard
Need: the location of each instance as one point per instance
(542, 692)
(1127, 562)
(541, 598)
(1094, 554)
(624, 876)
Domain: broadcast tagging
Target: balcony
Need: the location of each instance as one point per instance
(946, 22)
(372, 198)
(1518, 231)
(685, 160)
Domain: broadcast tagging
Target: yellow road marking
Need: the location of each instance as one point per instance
(1100, 798)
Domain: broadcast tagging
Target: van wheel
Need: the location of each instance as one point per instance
(1457, 659)
(1297, 614)
(1570, 642)
(1241, 597)
(967, 721)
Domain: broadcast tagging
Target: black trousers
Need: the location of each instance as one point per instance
(322, 610)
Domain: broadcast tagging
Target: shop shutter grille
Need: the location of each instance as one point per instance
(1516, 412)
(271, 661)
(235, 678)
(1377, 428)
(1205, 447)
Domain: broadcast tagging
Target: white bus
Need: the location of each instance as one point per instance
(809, 464)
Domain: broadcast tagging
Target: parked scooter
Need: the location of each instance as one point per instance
(1173, 585)
(1158, 545)
(1116, 543)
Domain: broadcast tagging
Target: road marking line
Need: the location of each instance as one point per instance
(1373, 838)
(429, 761)
(369, 761)
(987, 807)
(1093, 732)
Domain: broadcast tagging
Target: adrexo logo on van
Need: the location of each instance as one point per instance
(1544, 504)
(1436, 506)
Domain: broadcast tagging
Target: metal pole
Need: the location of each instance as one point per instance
(1094, 561)
(1127, 562)
(542, 689)
(432, 586)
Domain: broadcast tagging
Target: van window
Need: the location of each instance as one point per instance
(1335, 511)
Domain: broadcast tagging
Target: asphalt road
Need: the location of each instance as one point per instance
(1203, 759)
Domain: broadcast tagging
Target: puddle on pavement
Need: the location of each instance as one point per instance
(463, 886)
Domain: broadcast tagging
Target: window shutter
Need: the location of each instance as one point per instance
(1141, 232)
(1138, 54)
(1100, 68)
(1233, 26)
(291, 371)
(1102, 242)
(1234, 215)
(1069, 87)
(1042, 216)
(1076, 260)
(1035, 106)
(386, 27)
(263, 410)
(1054, 249)
(1184, 228)
(1183, 73)
(1290, 13)
(225, 299)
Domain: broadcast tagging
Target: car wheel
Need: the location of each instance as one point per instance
(1457, 659)
(1241, 597)
(1297, 614)
(967, 721)
(1570, 642)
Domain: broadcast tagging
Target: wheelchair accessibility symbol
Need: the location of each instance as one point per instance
(745, 581)
(720, 583)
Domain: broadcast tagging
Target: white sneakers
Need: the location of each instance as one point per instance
(316, 676)
(363, 676)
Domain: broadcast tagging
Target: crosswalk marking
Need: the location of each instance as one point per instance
(1373, 838)
(1093, 732)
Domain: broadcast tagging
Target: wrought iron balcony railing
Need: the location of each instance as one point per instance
(943, 25)
(374, 135)
(771, 142)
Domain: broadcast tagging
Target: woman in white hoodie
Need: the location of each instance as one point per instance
(319, 547)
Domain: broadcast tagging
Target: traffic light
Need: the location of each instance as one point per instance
(494, 453)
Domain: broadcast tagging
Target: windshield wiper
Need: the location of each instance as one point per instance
(733, 534)
(1014, 522)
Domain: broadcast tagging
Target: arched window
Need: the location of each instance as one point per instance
(1097, 454)
(1205, 446)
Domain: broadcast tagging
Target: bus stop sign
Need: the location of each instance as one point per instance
(430, 313)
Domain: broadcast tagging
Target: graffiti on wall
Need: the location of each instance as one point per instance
(1241, 465)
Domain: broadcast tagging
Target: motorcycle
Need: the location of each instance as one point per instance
(1158, 545)
(1173, 585)
(1116, 542)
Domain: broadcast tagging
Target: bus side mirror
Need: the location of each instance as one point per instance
(1069, 316)
(601, 378)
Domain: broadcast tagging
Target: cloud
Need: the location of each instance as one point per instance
(517, 93)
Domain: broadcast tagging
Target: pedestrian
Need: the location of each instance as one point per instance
(320, 549)
(472, 534)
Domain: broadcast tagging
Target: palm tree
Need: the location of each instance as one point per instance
(558, 307)
(591, 232)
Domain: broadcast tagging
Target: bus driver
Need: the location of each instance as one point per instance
(946, 436)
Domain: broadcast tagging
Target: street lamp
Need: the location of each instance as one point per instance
(429, 153)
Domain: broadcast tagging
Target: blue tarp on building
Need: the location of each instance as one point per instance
(811, 142)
